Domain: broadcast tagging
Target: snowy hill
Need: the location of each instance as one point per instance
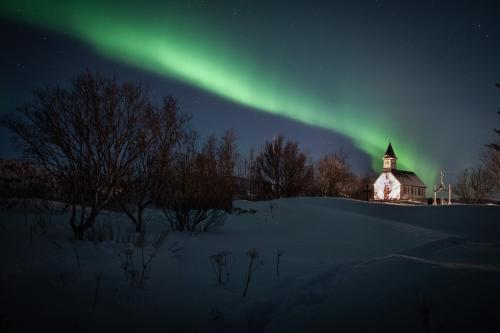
(346, 266)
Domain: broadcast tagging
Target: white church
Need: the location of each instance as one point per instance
(394, 184)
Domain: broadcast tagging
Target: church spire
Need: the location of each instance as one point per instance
(389, 158)
(390, 152)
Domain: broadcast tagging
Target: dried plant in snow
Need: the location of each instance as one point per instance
(220, 265)
(253, 254)
(424, 308)
(279, 253)
(99, 277)
(138, 276)
(271, 207)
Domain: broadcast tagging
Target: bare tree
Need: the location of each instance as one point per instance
(163, 129)
(227, 157)
(473, 185)
(85, 136)
(491, 158)
(363, 187)
(334, 176)
(491, 163)
(252, 183)
(282, 168)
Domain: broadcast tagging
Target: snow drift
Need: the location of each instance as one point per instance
(346, 266)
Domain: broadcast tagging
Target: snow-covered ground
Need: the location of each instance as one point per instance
(346, 266)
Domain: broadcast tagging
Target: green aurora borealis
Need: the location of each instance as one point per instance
(185, 47)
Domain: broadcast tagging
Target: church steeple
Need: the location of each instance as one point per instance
(389, 159)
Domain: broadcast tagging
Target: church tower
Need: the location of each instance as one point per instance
(389, 159)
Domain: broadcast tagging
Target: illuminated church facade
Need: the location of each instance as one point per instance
(394, 184)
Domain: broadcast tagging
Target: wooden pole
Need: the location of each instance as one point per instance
(449, 194)
(435, 203)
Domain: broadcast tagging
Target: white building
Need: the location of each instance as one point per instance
(394, 184)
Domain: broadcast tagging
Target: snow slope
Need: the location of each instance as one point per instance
(347, 266)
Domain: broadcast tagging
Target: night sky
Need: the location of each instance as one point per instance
(346, 74)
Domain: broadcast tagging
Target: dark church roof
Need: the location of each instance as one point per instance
(407, 178)
(390, 152)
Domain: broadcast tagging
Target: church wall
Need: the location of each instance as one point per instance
(412, 192)
(386, 187)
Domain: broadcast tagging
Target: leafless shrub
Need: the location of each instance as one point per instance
(200, 185)
(253, 254)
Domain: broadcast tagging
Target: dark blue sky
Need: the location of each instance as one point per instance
(429, 68)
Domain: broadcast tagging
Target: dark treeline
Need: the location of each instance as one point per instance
(281, 169)
(101, 143)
